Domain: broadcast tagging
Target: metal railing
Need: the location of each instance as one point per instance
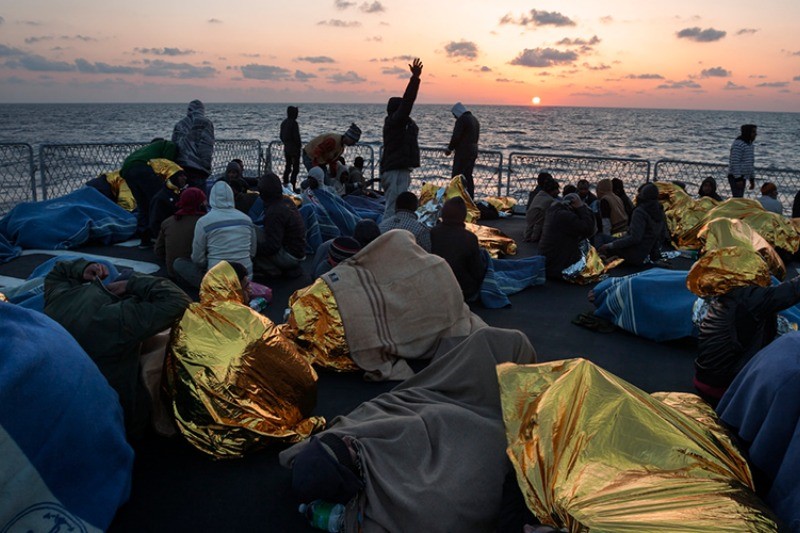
(693, 173)
(276, 160)
(17, 179)
(66, 167)
(523, 168)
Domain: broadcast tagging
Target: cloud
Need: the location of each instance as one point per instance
(506, 80)
(7, 51)
(336, 23)
(730, 86)
(36, 63)
(377, 39)
(391, 59)
(342, 4)
(316, 59)
(34, 40)
(601, 66)
(461, 50)
(29, 22)
(594, 95)
(2, 21)
(796, 78)
(773, 84)
(299, 75)
(484, 68)
(253, 56)
(166, 51)
(757, 76)
(791, 53)
(168, 69)
(715, 72)
(685, 84)
(254, 71)
(608, 19)
(707, 35)
(84, 38)
(579, 42)
(538, 18)
(347, 77)
(103, 68)
(543, 57)
(394, 71)
(745, 31)
(644, 77)
(214, 21)
(374, 7)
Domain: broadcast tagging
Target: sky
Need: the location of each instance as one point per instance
(682, 54)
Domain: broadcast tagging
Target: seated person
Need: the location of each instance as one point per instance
(177, 232)
(534, 216)
(340, 248)
(365, 232)
(282, 242)
(451, 428)
(356, 184)
(708, 188)
(618, 186)
(234, 176)
(738, 324)
(66, 465)
(769, 198)
(611, 215)
(110, 323)
(164, 202)
(645, 233)
(585, 193)
(762, 407)
(235, 382)
(405, 217)
(224, 234)
(451, 240)
(567, 224)
(541, 179)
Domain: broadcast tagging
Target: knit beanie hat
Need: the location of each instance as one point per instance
(454, 210)
(366, 231)
(342, 248)
(353, 132)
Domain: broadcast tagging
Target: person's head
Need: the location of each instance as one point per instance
(352, 135)
(196, 106)
(543, 178)
(406, 201)
(270, 188)
(618, 186)
(191, 202)
(647, 193)
(572, 200)
(569, 189)
(708, 187)
(178, 179)
(393, 104)
(292, 111)
(749, 132)
(458, 109)
(551, 187)
(233, 171)
(366, 231)
(244, 280)
(315, 176)
(604, 187)
(342, 248)
(454, 211)
(769, 189)
(241, 163)
(583, 188)
(358, 162)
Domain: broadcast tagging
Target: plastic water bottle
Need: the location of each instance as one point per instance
(259, 304)
(324, 515)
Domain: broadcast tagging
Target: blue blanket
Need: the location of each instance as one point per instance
(505, 277)
(67, 222)
(65, 462)
(366, 207)
(762, 405)
(341, 214)
(7, 250)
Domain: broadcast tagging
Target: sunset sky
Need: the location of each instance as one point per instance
(686, 54)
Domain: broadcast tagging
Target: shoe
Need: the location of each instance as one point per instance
(145, 244)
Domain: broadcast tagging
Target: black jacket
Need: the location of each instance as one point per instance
(283, 227)
(738, 324)
(563, 231)
(460, 248)
(400, 146)
(162, 206)
(466, 132)
(643, 239)
(290, 132)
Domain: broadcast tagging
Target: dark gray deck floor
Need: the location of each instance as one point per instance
(176, 488)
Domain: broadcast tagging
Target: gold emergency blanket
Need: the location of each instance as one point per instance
(430, 193)
(121, 191)
(235, 382)
(3, 297)
(493, 240)
(594, 453)
(590, 269)
(316, 327)
(503, 204)
(734, 255)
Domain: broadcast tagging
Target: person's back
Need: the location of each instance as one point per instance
(177, 232)
(566, 224)
(646, 229)
(466, 132)
(225, 233)
(742, 160)
(534, 216)
(194, 137)
(452, 241)
(292, 144)
(405, 217)
(769, 198)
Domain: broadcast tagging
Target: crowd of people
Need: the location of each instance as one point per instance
(221, 235)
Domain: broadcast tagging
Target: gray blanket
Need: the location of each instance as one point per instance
(433, 449)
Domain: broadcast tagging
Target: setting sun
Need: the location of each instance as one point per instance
(536, 100)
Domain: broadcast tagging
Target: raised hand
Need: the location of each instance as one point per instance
(95, 271)
(416, 67)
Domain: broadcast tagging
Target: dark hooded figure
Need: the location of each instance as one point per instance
(194, 137)
(618, 186)
(709, 188)
(541, 179)
(464, 142)
(282, 242)
(645, 231)
(292, 145)
(400, 146)
(742, 161)
(234, 176)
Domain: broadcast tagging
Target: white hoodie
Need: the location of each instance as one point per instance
(225, 233)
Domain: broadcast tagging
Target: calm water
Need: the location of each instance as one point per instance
(646, 133)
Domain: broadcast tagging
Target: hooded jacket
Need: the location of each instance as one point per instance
(194, 137)
(610, 208)
(713, 194)
(290, 132)
(283, 223)
(564, 229)
(156, 150)
(466, 132)
(224, 234)
(400, 132)
(646, 229)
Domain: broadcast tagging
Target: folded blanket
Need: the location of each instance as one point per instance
(505, 277)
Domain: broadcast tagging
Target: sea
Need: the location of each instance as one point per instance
(651, 134)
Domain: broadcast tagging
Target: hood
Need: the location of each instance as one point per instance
(221, 196)
(191, 202)
(604, 187)
(647, 199)
(233, 166)
(219, 284)
(270, 188)
(713, 183)
(458, 109)
(393, 104)
(196, 107)
(292, 111)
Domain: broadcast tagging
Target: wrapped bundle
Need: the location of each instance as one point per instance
(121, 191)
(594, 453)
(432, 198)
(235, 382)
(683, 213)
(590, 268)
(503, 204)
(493, 240)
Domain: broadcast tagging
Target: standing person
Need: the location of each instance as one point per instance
(742, 162)
(566, 225)
(400, 146)
(464, 142)
(194, 137)
(326, 149)
(292, 145)
(769, 198)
